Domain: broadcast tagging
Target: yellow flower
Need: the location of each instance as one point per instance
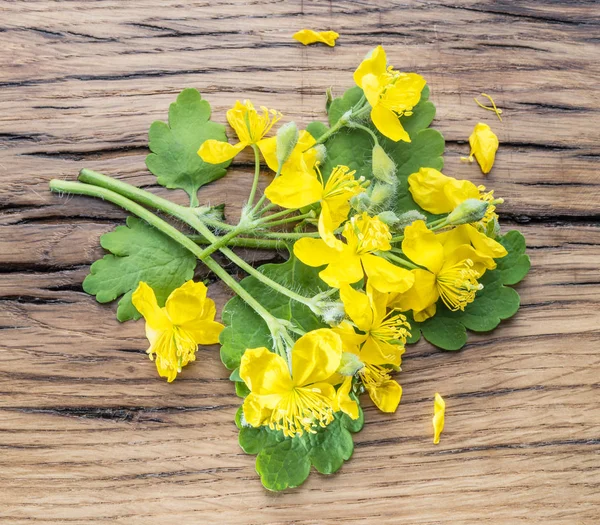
(436, 193)
(382, 334)
(383, 390)
(391, 93)
(294, 403)
(299, 189)
(348, 262)
(250, 127)
(484, 144)
(439, 409)
(450, 273)
(308, 36)
(301, 161)
(176, 330)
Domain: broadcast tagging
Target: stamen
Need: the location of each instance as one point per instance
(493, 108)
(458, 285)
(393, 328)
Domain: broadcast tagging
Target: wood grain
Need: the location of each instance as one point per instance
(90, 434)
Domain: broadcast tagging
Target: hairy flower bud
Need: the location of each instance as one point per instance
(407, 218)
(321, 153)
(350, 364)
(287, 138)
(471, 210)
(360, 202)
(333, 314)
(383, 167)
(389, 218)
(381, 193)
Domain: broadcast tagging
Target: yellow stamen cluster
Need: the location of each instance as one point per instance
(458, 285)
(340, 182)
(489, 198)
(301, 411)
(256, 125)
(393, 329)
(369, 233)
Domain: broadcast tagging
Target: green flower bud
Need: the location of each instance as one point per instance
(389, 218)
(492, 228)
(333, 313)
(287, 138)
(321, 153)
(408, 217)
(383, 167)
(361, 202)
(381, 193)
(350, 364)
(471, 210)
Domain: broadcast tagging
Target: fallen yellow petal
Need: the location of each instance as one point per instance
(308, 36)
(439, 408)
(484, 144)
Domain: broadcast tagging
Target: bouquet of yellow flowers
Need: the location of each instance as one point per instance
(381, 246)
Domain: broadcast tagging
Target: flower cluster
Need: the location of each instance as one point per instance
(380, 245)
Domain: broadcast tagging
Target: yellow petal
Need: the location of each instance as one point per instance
(439, 409)
(344, 402)
(374, 65)
(421, 295)
(376, 352)
(327, 227)
(357, 307)
(350, 339)
(215, 151)
(265, 372)
(388, 124)
(186, 303)
(385, 395)
(302, 159)
(404, 93)
(255, 410)
(385, 276)
(308, 36)
(346, 269)
(484, 144)
(422, 247)
(423, 315)
(145, 302)
(436, 193)
(295, 190)
(483, 244)
(315, 252)
(315, 356)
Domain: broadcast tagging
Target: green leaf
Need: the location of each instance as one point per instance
(284, 463)
(174, 158)
(140, 252)
(246, 329)
(496, 302)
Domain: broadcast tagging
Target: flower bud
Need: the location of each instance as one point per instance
(389, 218)
(381, 193)
(350, 364)
(287, 138)
(408, 217)
(333, 314)
(492, 228)
(383, 167)
(471, 210)
(321, 153)
(360, 202)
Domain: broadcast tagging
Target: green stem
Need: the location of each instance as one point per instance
(188, 216)
(276, 215)
(365, 129)
(256, 174)
(433, 226)
(296, 218)
(245, 242)
(332, 130)
(399, 260)
(78, 188)
(194, 199)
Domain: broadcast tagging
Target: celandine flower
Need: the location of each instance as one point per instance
(437, 193)
(176, 330)
(299, 189)
(250, 127)
(382, 333)
(348, 262)
(391, 94)
(298, 402)
(450, 273)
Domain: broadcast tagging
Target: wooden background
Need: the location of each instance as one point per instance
(90, 434)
